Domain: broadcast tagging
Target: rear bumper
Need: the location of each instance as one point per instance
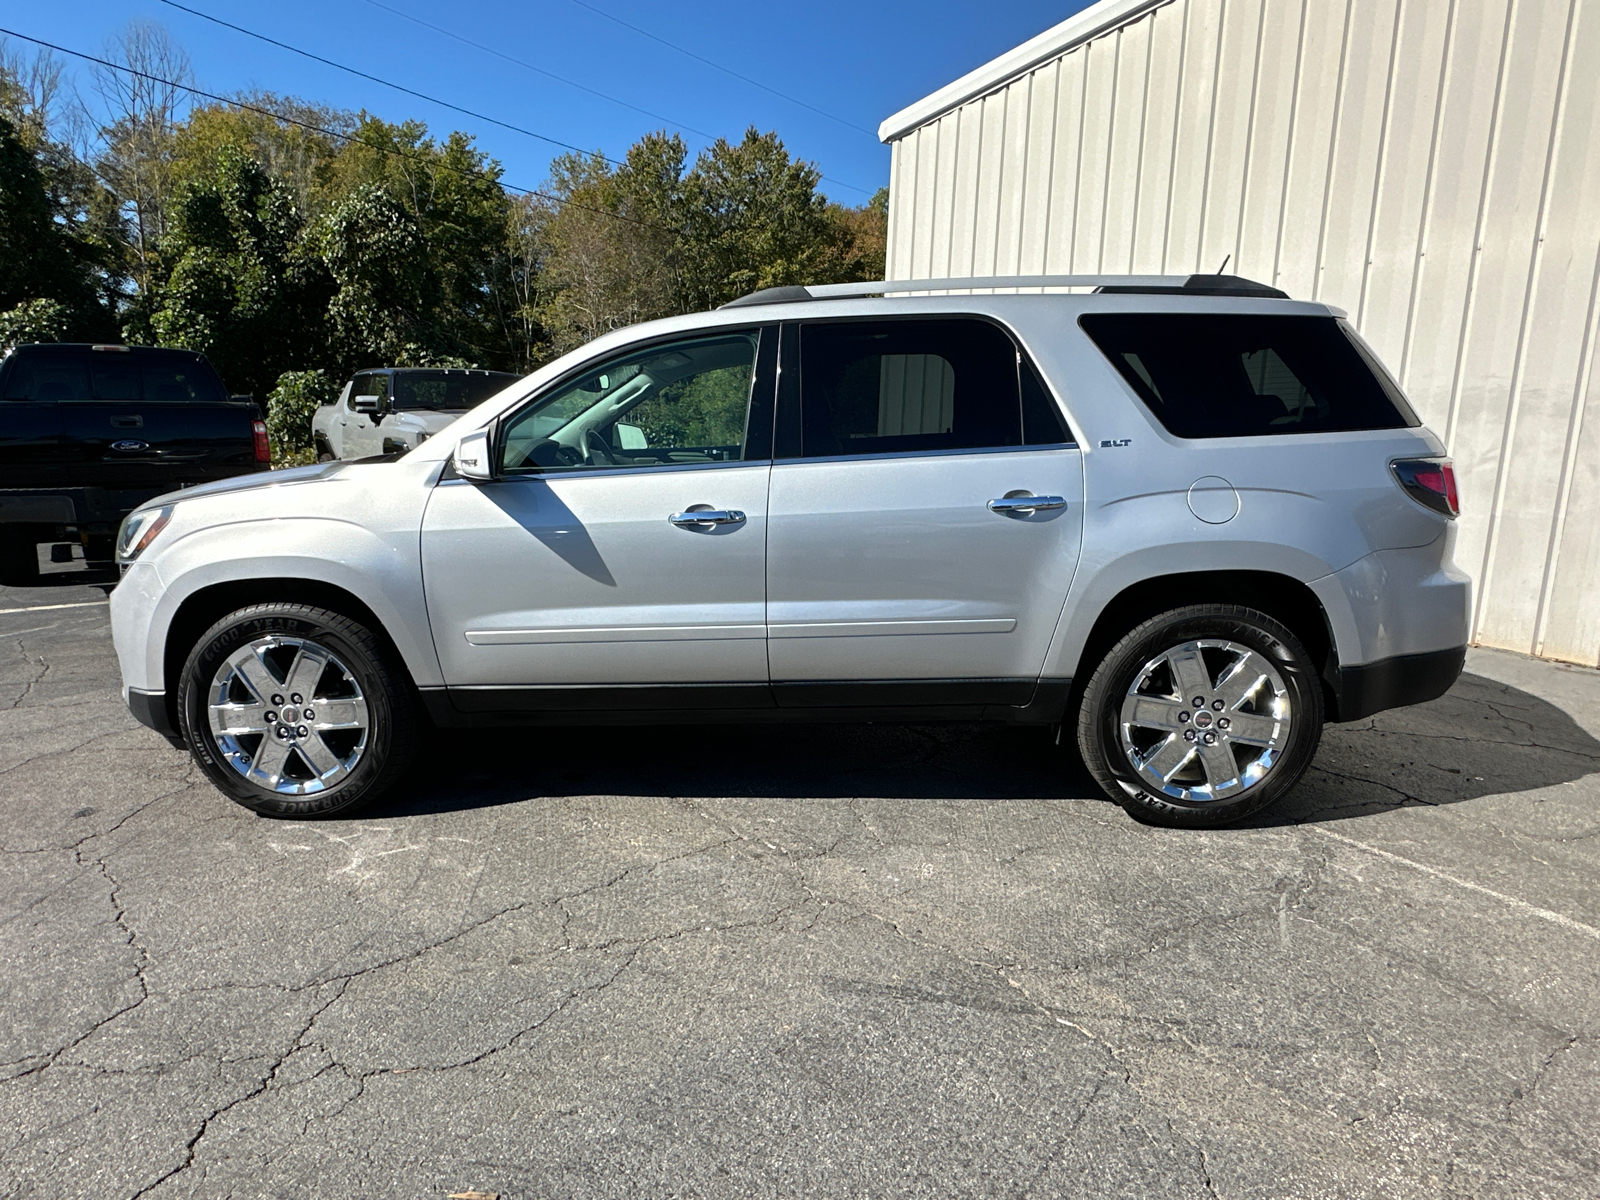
(150, 710)
(1395, 682)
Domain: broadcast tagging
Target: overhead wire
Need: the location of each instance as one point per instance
(235, 102)
(378, 79)
(572, 83)
(727, 71)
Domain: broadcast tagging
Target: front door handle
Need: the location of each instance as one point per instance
(698, 517)
(1023, 505)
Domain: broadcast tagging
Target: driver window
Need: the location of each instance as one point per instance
(685, 402)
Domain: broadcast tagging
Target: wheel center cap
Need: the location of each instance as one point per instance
(1203, 720)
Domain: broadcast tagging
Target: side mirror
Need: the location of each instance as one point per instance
(369, 404)
(471, 459)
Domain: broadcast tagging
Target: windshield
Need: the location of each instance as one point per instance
(447, 389)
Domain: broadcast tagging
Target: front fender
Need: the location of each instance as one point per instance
(383, 571)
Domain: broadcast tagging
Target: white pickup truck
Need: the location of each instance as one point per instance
(398, 408)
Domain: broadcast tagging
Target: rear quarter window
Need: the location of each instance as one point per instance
(1206, 375)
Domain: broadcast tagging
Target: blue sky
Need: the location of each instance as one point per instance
(858, 62)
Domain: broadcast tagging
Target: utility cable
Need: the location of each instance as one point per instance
(445, 103)
(573, 83)
(727, 71)
(234, 102)
(338, 66)
(582, 87)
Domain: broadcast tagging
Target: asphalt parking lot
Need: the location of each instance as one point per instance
(796, 962)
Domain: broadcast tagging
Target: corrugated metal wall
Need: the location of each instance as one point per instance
(1432, 166)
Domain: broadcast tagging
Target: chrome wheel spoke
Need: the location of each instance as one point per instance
(340, 714)
(270, 761)
(1252, 729)
(1189, 670)
(236, 719)
(1168, 758)
(1153, 712)
(317, 755)
(1222, 772)
(305, 672)
(1242, 680)
(252, 670)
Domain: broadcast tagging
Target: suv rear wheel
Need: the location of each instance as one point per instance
(19, 557)
(1201, 715)
(296, 711)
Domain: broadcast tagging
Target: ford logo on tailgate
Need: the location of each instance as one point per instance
(130, 445)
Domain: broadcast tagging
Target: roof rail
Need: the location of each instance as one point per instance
(1176, 285)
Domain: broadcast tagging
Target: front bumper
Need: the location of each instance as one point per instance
(150, 710)
(1369, 688)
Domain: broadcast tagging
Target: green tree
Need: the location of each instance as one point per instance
(44, 253)
(236, 286)
(384, 294)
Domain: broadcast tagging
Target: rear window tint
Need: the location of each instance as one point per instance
(69, 377)
(1221, 375)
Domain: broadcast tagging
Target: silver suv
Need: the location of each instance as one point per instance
(1188, 519)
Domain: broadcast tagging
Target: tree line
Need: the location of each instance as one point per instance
(280, 236)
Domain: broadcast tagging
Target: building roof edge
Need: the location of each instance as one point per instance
(1074, 31)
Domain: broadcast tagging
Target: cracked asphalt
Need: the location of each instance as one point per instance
(817, 961)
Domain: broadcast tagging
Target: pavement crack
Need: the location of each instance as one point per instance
(1520, 1094)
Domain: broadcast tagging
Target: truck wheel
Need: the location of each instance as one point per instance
(19, 558)
(1201, 716)
(296, 711)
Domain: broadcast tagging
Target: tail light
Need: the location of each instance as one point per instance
(263, 447)
(1431, 482)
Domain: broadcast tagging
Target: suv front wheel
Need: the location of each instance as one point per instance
(296, 711)
(1201, 715)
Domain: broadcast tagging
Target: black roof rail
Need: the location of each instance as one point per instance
(1203, 285)
(772, 295)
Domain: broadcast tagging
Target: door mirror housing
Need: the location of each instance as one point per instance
(369, 404)
(471, 459)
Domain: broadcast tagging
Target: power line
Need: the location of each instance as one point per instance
(234, 102)
(445, 103)
(338, 66)
(654, 116)
(725, 70)
(466, 41)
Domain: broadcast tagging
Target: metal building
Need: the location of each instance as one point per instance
(1431, 166)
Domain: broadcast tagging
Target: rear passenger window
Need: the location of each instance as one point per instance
(884, 387)
(1220, 375)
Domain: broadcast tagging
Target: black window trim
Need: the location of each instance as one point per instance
(767, 336)
(787, 422)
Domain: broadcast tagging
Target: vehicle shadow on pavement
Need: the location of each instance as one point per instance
(1483, 738)
(936, 762)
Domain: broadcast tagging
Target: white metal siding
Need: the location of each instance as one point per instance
(1432, 166)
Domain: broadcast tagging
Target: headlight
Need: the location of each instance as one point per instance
(139, 530)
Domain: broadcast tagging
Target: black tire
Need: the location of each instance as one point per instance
(1100, 735)
(379, 681)
(19, 558)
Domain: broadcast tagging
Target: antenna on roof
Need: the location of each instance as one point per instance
(1224, 265)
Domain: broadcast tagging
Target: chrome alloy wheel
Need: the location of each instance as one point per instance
(1205, 721)
(288, 715)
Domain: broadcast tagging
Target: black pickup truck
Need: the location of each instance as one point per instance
(88, 433)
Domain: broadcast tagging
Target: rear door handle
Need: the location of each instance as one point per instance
(1026, 504)
(696, 517)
